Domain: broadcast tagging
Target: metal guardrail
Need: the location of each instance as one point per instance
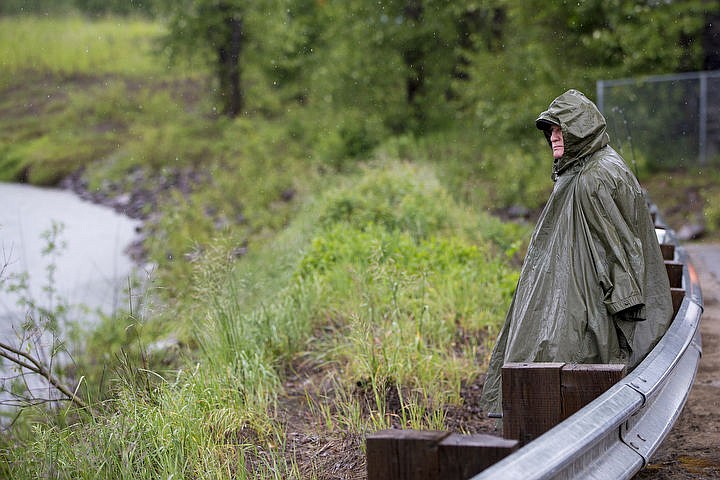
(614, 436)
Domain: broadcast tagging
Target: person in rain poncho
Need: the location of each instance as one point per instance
(593, 287)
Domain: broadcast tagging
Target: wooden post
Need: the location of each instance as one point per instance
(668, 251)
(674, 271)
(531, 399)
(425, 455)
(463, 456)
(403, 454)
(583, 383)
(678, 294)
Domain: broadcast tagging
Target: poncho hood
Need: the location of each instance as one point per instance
(583, 128)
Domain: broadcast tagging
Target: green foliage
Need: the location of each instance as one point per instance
(218, 34)
(241, 204)
(624, 33)
(87, 121)
(479, 171)
(545, 49)
(712, 212)
(393, 201)
(410, 284)
(395, 58)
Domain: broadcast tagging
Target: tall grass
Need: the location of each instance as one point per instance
(74, 46)
(187, 427)
(395, 289)
(412, 285)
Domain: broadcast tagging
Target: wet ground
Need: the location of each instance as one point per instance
(692, 449)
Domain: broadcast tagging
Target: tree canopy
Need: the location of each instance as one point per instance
(410, 66)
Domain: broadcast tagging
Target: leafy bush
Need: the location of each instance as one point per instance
(712, 213)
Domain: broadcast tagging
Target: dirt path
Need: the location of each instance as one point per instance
(692, 449)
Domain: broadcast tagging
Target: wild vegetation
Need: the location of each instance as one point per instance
(331, 235)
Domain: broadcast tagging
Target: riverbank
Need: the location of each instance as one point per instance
(136, 197)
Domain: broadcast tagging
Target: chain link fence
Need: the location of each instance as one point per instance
(664, 121)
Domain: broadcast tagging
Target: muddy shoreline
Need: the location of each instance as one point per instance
(137, 197)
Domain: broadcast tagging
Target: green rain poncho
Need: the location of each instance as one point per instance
(593, 287)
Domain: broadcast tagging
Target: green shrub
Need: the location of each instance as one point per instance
(711, 211)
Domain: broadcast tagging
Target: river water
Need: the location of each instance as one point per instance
(91, 270)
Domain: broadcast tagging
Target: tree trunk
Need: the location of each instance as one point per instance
(414, 58)
(229, 66)
(711, 41)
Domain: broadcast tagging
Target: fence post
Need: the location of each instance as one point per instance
(463, 456)
(675, 272)
(583, 383)
(431, 455)
(403, 454)
(531, 399)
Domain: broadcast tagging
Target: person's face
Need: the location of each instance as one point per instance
(556, 142)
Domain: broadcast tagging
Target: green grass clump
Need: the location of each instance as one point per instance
(481, 170)
(186, 426)
(412, 285)
(74, 92)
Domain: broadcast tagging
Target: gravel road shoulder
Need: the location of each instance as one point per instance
(692, 449)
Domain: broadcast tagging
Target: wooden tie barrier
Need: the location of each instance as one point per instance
(675, 274)
(536, 398)
(431, 455)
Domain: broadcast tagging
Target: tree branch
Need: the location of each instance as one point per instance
(33, 365)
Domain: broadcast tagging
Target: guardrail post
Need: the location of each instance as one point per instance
(668, 251)
(675, 275)
(583, 383)
(403, 454)
(431, 455)
(678, 294)
(531, 399)
(675, 272)
(463, 456)
(538, 396)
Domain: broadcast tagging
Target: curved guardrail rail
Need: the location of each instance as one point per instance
(616, 434)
